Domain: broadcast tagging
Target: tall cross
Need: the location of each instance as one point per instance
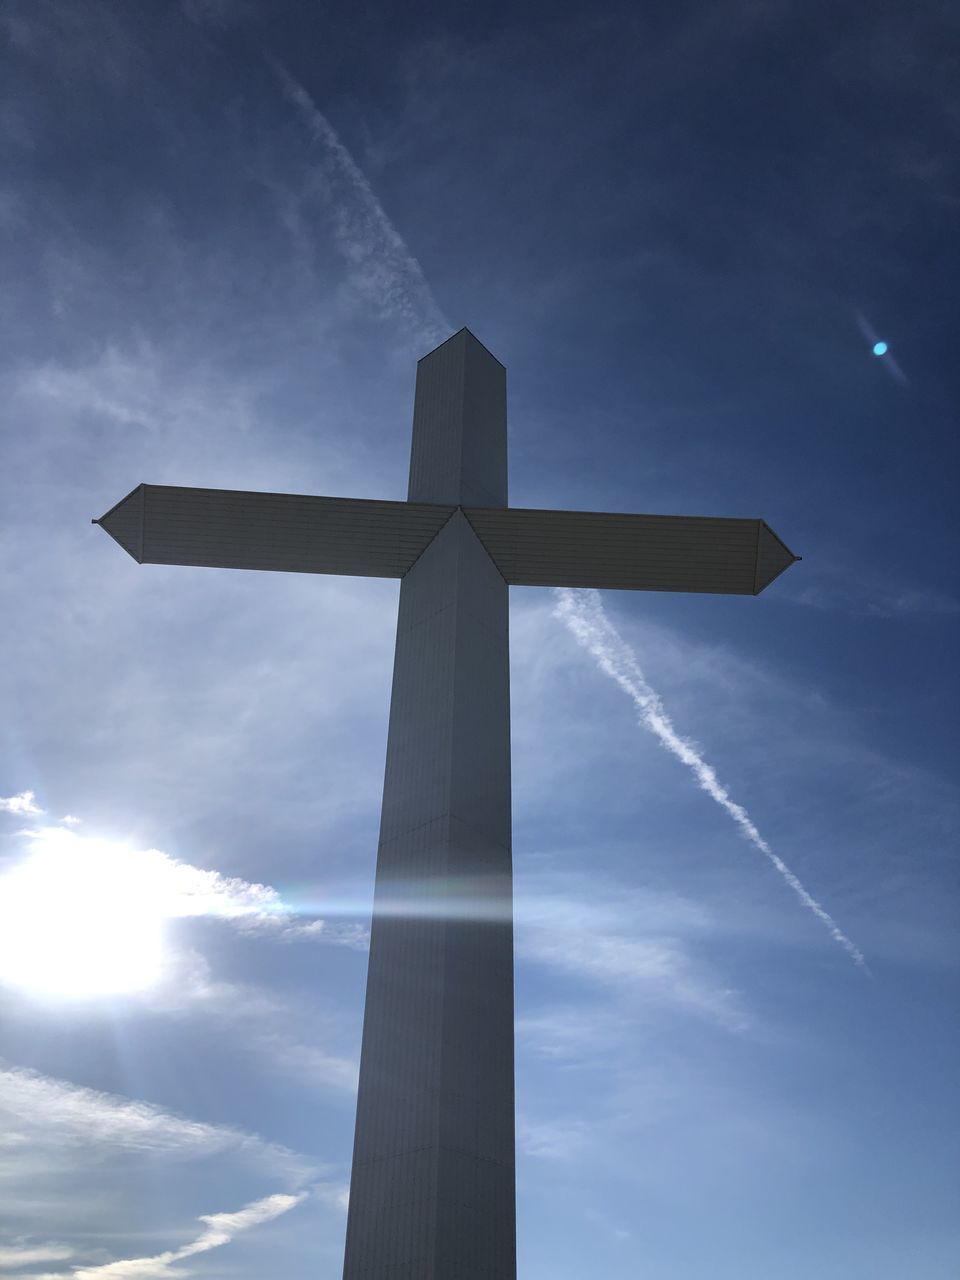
(432, 1192)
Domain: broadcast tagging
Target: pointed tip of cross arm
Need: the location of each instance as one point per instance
(774, 557)
(124, 523)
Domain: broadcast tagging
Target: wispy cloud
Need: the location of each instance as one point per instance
(607, 1225)
(309, 1063)
(81, 916)
(218, 1229)
(24, 804)
(354, 936)
(383, 269)
(24, 1255)
(559, 1140)
(145, 389)
(865, 599)
(74, 868)
(583, 614)
(629, 946)
(260, 1021)
(42, 1112)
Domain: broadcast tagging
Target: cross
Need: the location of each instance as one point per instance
(432, 1192)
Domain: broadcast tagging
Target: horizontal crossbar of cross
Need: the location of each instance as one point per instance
(237, 529)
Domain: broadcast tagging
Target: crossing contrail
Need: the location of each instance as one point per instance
(583, 614)
(376, 248)
(381, 264)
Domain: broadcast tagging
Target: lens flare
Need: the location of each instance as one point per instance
(880, 348)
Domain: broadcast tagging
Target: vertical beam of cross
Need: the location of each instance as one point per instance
(432, 1195)
(432, 1192)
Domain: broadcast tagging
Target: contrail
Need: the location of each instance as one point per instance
(583, 614)
(392, 275)
(381, 263)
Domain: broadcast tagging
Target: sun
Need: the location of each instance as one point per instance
(80, 918)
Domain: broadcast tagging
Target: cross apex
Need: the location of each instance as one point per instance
(472, 336)
(458, 453)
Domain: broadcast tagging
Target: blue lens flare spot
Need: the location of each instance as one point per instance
(879, 348)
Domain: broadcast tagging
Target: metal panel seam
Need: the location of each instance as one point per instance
(143, 521)
(453, 512)
(487, 551)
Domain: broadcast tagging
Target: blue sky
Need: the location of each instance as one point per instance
(229, 230)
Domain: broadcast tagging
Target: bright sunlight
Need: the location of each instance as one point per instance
(81, 917)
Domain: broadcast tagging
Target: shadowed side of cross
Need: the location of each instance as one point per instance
(432, 1191)
(237, 529)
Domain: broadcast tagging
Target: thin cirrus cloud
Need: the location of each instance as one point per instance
(852, 596)
(383, 270)
(399, 279)
(218, 1229)
(561, 1140)
(368, 235)
(585, 934)
(43, 1113)
(582, 612)
(14, 1257)
(54, 1130)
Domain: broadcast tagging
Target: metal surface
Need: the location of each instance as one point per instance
(630, 553)
(233, 529)
(432, 1191)
(459, 449)
(773, 557)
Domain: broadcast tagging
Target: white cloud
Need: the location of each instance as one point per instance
(82, 916)
(560, 1140)
(88, 916)
(45, 1113)
(24, 803)
(583, 614)
(336, 1195)
(23, 1255)
(219, 1229)
(68, 861)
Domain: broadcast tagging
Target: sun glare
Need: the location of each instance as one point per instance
(80, 918)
